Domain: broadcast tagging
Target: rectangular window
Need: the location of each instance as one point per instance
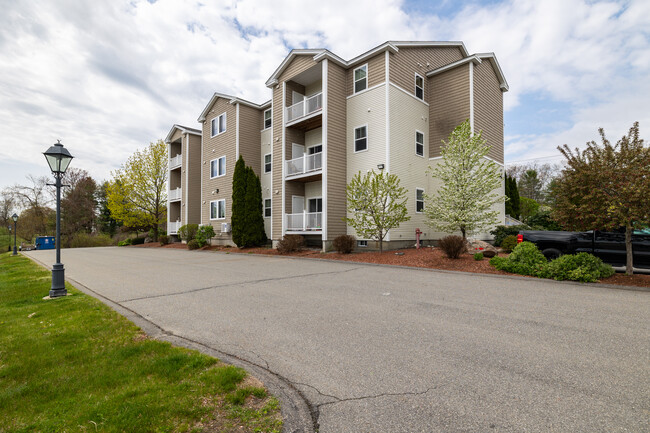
(267, 163)
(419, 143)
(360, 138)
(362, 244)
(267, 208)
(360, 78)
(419, 87)
(315, 205)
(419, 200)
(218, 167)
(315, 149)
(218, 209)
(218, 124)
(268, 119)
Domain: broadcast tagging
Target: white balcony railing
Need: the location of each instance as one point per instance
(305, 221)
(304, 164)
(172, 227)
(175, 194)
(175, 162)
(305, 107)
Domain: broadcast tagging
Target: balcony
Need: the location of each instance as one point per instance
(304, 109)
(172, 227)
(306, 164)
(175, 194)
(175, 162)
(305, 222)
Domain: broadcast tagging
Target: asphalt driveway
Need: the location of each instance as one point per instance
(380, 349)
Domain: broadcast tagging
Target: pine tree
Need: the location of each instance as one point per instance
(512, 192)
(469, 181)
(238, 218)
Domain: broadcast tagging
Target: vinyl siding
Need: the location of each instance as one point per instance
(266, 179)
(250, 120)
(449, 106)
(488, 108)
(406, 116)
(215, 147)
(375, 119)
(192, 190)
(336, 151)
(177, 135)
(404, 64)
(376, 73)
(299, 64)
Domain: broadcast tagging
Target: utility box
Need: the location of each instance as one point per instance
(45, 243)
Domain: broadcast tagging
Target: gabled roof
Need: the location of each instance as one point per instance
(476, 59)
(321, 53)
(231, 100)
(183, 129)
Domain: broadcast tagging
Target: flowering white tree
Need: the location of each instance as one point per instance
(464, 200)
(377, 204)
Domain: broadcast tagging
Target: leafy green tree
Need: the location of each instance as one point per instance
(530, 185)
(78, 204)
(137, 196)
(377, 204)
(605, 186)
(512, 192)
(105, 222)
(247, 219)
(468, 185)
(527, 207)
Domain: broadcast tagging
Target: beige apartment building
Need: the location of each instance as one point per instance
(330, 118)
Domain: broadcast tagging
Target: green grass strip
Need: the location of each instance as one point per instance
(73, 364)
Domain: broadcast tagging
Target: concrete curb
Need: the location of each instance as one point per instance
(445, 271)
(297, 413)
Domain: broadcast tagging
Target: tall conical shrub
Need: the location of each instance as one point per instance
(254, 208)
(238, 218)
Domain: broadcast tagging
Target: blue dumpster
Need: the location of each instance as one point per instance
(44, 242)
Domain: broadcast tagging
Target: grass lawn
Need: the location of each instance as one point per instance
(73, 364)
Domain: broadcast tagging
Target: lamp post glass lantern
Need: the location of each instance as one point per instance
(15, 218)
(58, 158)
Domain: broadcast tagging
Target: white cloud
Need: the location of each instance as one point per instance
(107, 77)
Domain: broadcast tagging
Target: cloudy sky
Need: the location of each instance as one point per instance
(109, 76)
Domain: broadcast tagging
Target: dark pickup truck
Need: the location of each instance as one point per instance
(609, 246)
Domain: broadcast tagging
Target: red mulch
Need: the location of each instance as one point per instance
(431, 258)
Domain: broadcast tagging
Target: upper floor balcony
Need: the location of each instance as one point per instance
(175, 162)
(304, 165)
(175, 194)
(305, 109)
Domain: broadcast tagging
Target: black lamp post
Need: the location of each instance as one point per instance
(15, 218)
(58, 158)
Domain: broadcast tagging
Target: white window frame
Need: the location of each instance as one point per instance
(362, 243)
(224, 167)
(270, 208)
(264, 119)
(212, 134)
(314, 198)
(354, 139)
(270, 163)
(224, 209)
(311, 147)
(416, 200)
(354, 81)
(415, 91)
(416, 143)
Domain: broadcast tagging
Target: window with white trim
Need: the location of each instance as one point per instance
(218, 209)
(419, 200)
(267, 163)
(419, 87)
(267, 208)
(360, 78)
(362, 244)
(268, 119)
(419, 143)
(218, 167)
(218, 125)
(361, 138)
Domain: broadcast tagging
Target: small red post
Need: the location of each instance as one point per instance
(417, 238)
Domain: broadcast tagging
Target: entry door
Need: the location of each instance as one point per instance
(297, 204)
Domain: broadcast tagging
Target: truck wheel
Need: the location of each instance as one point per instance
(551, 253)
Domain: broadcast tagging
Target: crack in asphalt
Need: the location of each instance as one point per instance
(200, 289)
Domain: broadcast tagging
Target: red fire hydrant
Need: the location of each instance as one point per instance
(417, 238)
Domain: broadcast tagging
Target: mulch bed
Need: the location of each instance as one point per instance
(431, 258)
